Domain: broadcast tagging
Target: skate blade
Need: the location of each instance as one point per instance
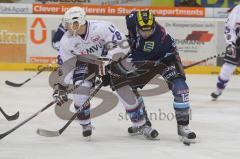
(88, 138)
(134, 134)
(151, 138)
(187, 141)
(154, 139)
(146, 137)
(214, 99)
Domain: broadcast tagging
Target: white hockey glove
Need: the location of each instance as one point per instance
(105, 77)
(60, 94)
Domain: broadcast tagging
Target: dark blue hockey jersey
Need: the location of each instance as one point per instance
(154, 47)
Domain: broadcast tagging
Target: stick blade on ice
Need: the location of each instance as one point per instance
(9, 117)
(13, 117)
(13, 84)
(47, 133)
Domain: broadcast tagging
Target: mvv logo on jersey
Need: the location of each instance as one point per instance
(148, 46)
(88, 49)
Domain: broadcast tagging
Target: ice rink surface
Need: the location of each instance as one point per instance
(217, 125)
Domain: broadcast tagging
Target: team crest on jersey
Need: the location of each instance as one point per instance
(148, 46)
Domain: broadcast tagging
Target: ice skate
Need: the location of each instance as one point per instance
(148, 132)
(87, 131)
(186, 135)
(145, 130)
(133, 130)
(215, 95)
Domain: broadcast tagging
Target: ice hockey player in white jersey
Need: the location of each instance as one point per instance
(88, 37)
(232, 56)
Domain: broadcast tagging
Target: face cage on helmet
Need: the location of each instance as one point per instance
(68, 24)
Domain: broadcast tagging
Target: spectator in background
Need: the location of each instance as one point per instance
(188, 3)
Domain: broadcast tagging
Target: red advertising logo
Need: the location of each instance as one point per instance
(43, 38)
(202, 36)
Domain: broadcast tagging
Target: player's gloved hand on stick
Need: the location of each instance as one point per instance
(110, 72)
(60, 94)
(106, 80)
(231, 50)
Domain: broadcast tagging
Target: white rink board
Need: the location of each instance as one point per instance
(178, 28)
(216, 123)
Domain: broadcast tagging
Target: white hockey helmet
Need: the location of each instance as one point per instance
(74, 14)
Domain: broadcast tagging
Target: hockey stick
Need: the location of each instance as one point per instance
(31, 117)
(204, 60)
(9, 117)
(26, 120)
(48, 133)
(20, 84)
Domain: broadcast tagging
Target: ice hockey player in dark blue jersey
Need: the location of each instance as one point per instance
(150, 42)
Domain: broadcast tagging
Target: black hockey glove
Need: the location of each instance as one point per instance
(60, 94)
(111, 70)
(106, 80)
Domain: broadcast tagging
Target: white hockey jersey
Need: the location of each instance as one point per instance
(99, 35)
(232, 26)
